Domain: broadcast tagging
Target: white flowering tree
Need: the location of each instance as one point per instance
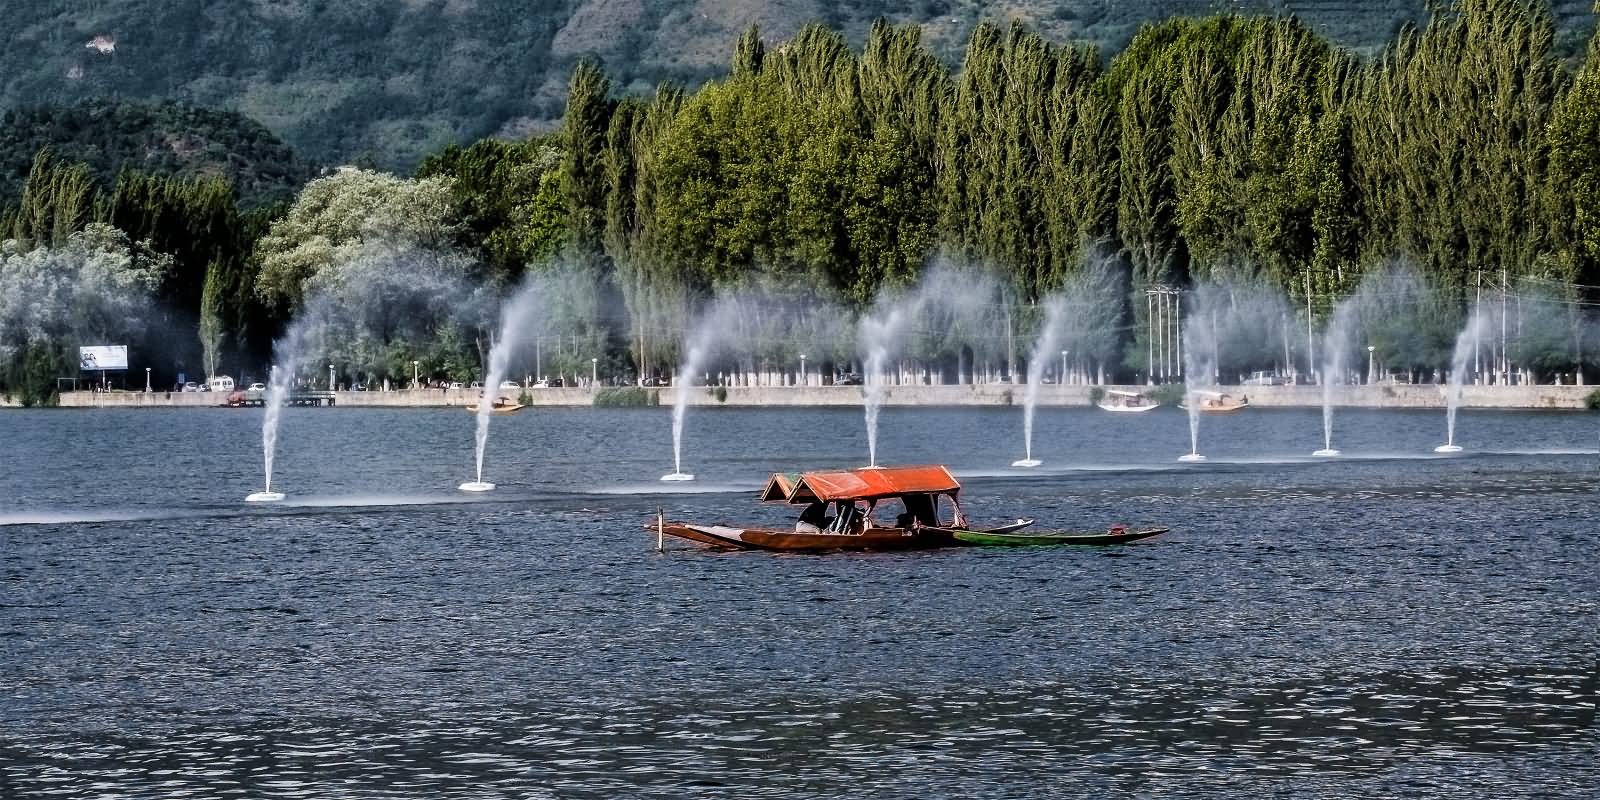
(335, 217)
(93, 288)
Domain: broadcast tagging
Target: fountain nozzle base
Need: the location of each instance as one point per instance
(476, 486)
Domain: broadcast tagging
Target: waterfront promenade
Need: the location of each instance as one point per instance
(1392, 396)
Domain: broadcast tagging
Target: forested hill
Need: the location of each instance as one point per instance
(386, 82)
(161, 138)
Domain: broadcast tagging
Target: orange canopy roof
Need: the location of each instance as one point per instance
(867, 483)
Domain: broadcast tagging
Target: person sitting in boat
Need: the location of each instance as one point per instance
(851, 518)
(814, 519)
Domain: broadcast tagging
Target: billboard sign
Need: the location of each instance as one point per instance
(103, 357)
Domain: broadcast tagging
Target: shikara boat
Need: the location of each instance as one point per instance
(501, 405)
(1116, 535)
(842, 511)
(1126, 402)
(1218, 403)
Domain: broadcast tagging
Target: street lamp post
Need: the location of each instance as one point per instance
(331, 386)
(416, 380)
(594, 373)
(1370, 349)
(802, 369)
(1063, 379)
(147, 379)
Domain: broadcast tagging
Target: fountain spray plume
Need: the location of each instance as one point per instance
(286, 353)
(1476, 329)
(1335, 355)
(713, 321)
(959, 299)
(517, 316)
(1043, 349)
(879, 335)
(1200, 358)
(382, 298)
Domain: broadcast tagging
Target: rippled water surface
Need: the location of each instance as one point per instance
(1390, 623)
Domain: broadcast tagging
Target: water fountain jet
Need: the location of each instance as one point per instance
(1042, 350)
(680, 402)
(514, 316)
(1335, 345)
(277, 397)
(1466, 342)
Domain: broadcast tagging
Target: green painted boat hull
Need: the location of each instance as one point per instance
(983, 539)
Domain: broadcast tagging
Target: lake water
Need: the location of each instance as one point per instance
(1390, 623)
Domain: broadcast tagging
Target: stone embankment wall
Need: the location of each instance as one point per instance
(991, 394)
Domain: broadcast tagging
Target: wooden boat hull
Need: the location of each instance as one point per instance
(496, 411)
(986, 539)
(875, 539)
(1129, 409)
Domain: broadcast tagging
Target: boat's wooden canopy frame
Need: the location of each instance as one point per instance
(867, 483)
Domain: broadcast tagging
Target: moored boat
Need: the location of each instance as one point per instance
(501, 405)
(1218, 403)
(1123, 402)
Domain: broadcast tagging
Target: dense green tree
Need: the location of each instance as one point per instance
(1574, 135)
(336, 216)
(57, 201)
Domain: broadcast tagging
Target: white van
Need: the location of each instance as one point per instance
(220, 383)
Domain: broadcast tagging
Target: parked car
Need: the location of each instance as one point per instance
(456, 385)
(257, 387)
(510, 385)
(190, 386)
(1263, 379)
(847, 379)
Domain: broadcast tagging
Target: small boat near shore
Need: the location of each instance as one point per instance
(1121, 402)
(502, 405)
(842, 508)
(1218, 403)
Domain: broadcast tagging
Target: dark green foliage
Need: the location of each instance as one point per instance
(31, 373)
(1591, 401)
(385, 83)
(1221, 149)
(162, 138)
(626, 397)
(509, 196)
(57, 199)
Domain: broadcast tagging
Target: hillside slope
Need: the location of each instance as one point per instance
(386, 81)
